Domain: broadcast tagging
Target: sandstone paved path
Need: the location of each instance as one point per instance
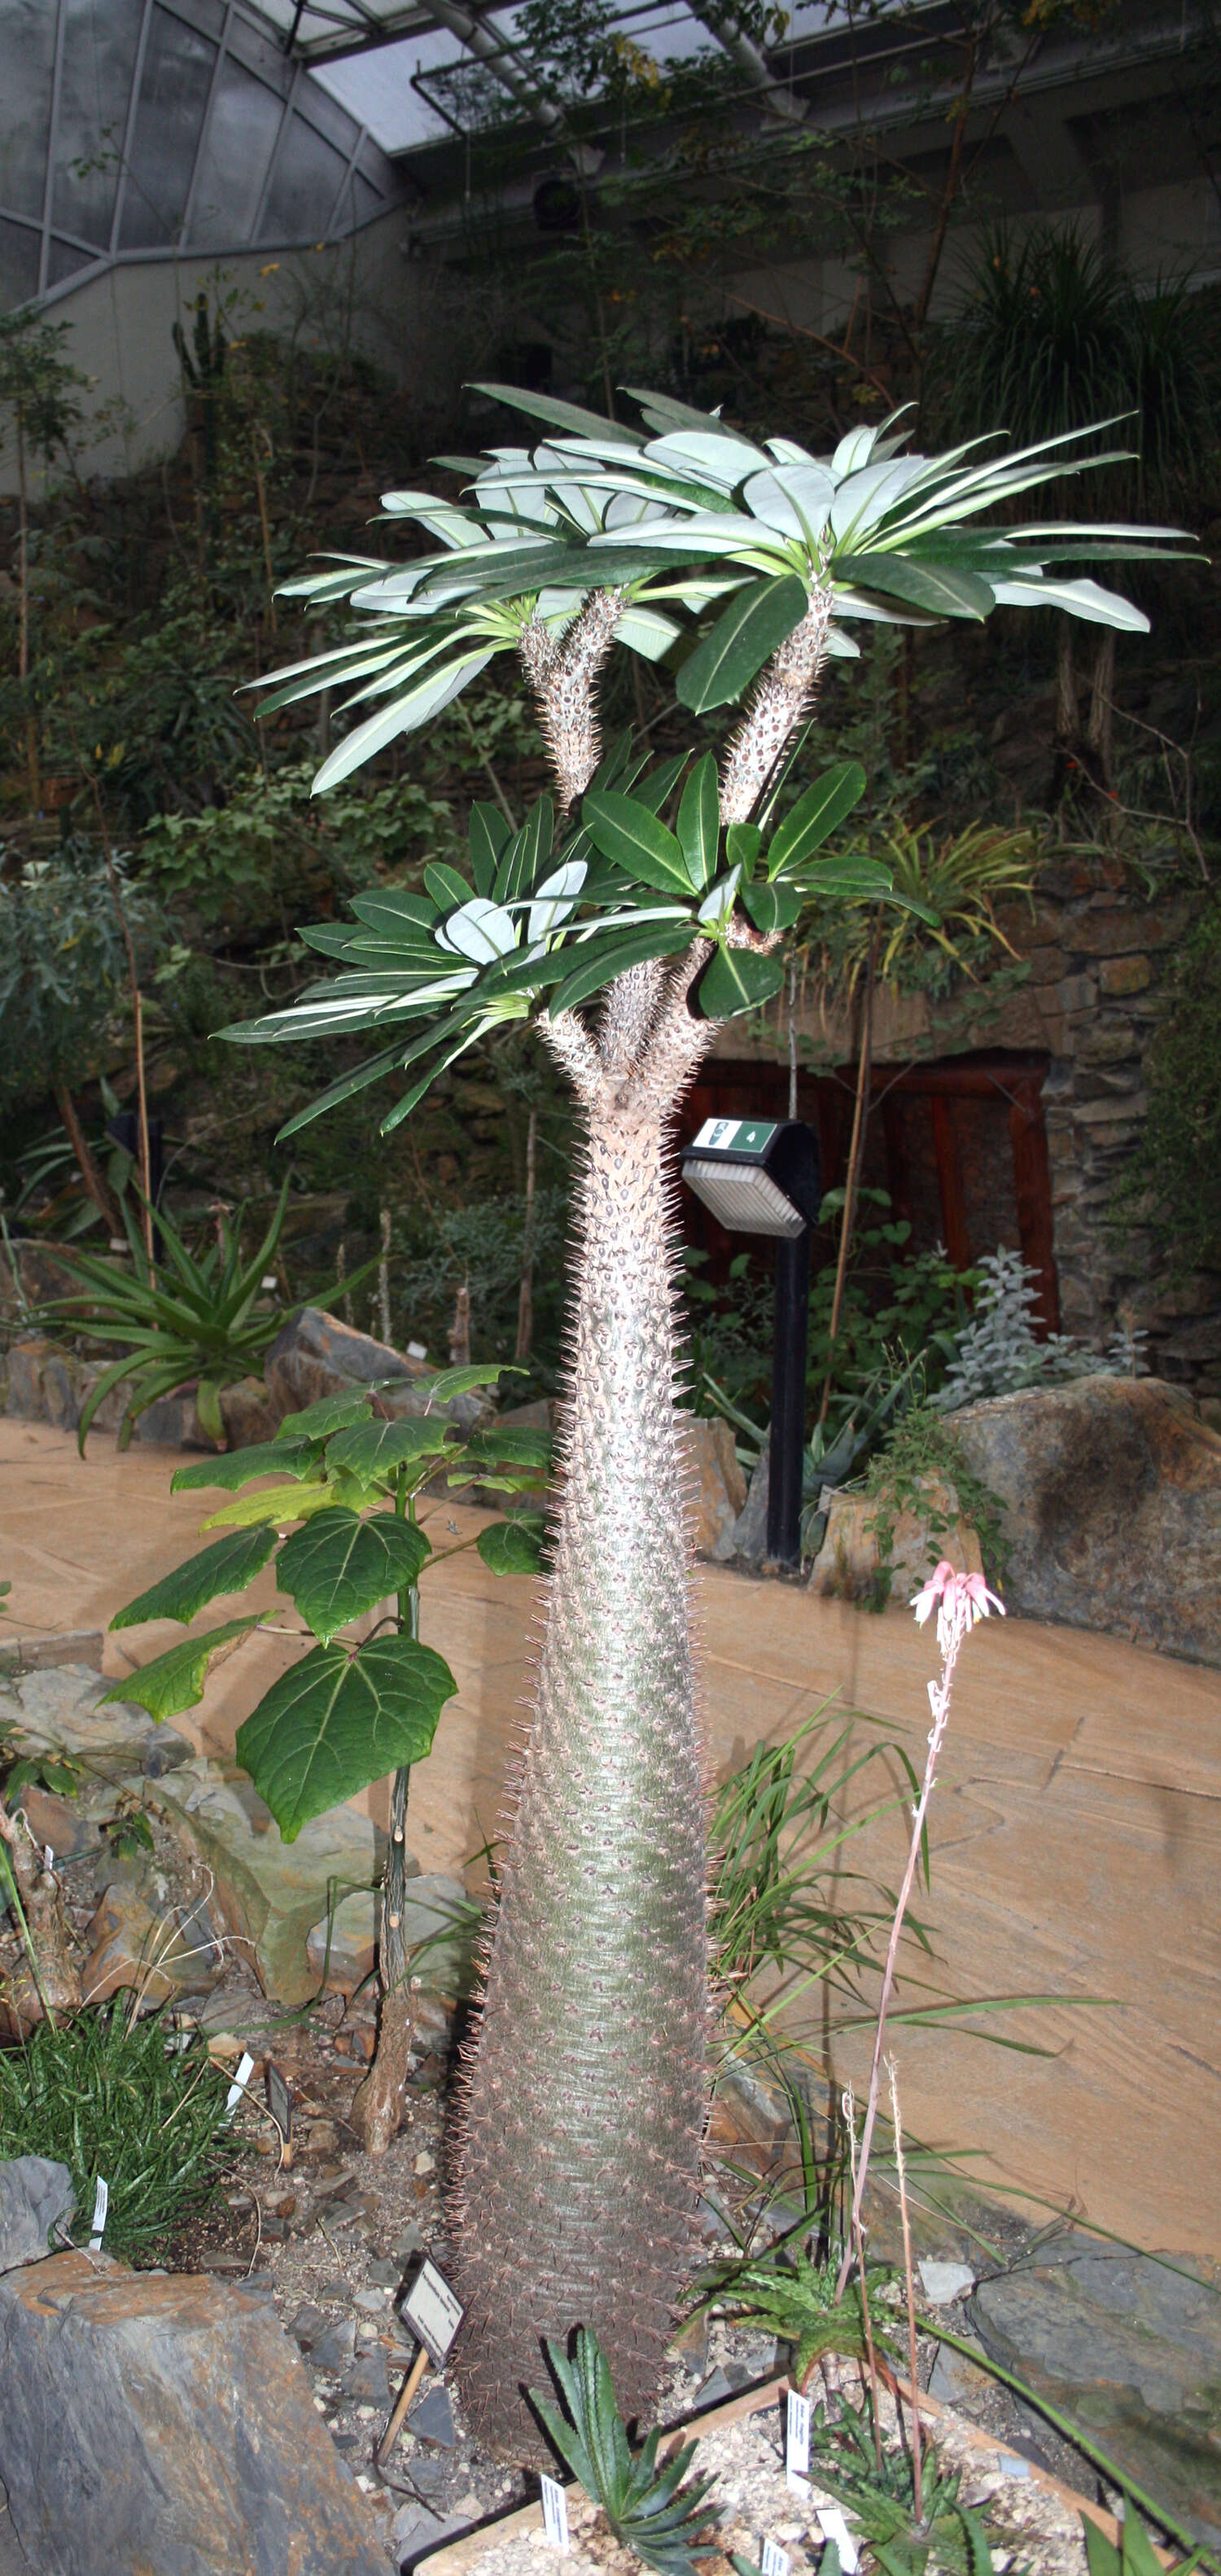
(1076, 1839)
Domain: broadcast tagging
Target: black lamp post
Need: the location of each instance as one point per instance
(760, 1176)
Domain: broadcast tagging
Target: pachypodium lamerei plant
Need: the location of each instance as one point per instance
(585, 2098)
(342, 1518)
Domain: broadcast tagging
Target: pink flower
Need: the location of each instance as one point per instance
(959, 1601)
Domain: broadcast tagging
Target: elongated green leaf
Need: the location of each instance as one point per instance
(699, 823)
(175, 1681)
(375, 1449)
(280, 1457)
(653, 789)
(815, 816)
(560, 415)
(511, 1444)
(280, 1504)
(737, 979)
(338, 1721)
(339, 1566)
(772, 907)
(467, 1381)
(606, 959)
(330, 1413)
(488, 833)
(742, 844)
(228, 1566)
(512, 1547)
(946, 592)
(744, 637)
(632, 838)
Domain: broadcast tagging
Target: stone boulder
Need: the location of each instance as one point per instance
(1128, 2346)
(718, 1486)
(848, 1565)
(1111, 1490)
(150, 2421)
(750, 1527)
(315, 1355)
(35, 2196)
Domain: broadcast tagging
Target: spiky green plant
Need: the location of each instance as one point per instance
(790, 2295)
(585, 2098)
(100, 2091)
(667, 2524)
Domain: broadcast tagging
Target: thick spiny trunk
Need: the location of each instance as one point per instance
(782, 697)
(585, 2102)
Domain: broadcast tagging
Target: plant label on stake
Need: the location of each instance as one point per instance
(797, 2440)
(101, 2207)
(245, 2069)
(835, 2529)
(555, 2514)
(775, 2560)
(432, 2312)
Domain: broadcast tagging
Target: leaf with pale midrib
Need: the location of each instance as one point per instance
(175, 1681)
(338, 1721)
(338, 1566)
(226, 1567)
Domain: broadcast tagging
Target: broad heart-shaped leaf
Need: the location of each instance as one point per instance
(280, 1457)
(338, 1721)
(377, 1449)
(465, 1381)
(512, 1547)
(737, 979)
(330, 1413)
(228, 1566)
(629, 835)
(175, 1681)
(772, 907)
(338, 1566)
(745, 634)
(511, 1444)
(815, 815)
(699, 822)
(948, 593)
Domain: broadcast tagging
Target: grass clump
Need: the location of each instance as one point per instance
(105, 2096)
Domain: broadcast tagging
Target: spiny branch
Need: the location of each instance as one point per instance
(562, 674)
(780, 700)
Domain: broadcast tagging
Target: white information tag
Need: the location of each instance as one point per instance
(48, 1857)
(245, 2069)
(835, 2528)
(1013, 2466)
(555, 2514)
(432, 2312)
(775, 2560)
(101, 2207)
(797, 2438)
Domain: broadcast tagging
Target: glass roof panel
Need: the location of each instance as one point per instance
(25, 115)
(376, 88)
(99, 57)
(173, 98)
(308, 177)
(18, 263)
(241, 138)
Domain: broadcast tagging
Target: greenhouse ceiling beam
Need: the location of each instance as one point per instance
(499, 61)
(743, 50)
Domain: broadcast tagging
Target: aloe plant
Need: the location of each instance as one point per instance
(585, 2101)
(666, 2523)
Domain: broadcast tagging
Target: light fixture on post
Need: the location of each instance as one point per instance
(760, 1176)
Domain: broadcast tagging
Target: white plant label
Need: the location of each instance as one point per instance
(797, 2438)
(555, 2514)
(101, 2208)
(245, 2069)
(1011, 2466)
(48, 1857)
(432, 2312)
(835, 2528)
(775, 2560)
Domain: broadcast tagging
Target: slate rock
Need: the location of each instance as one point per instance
(61, 1822)
(1111, 1490)
(315, 1355)
(366, 2382)
(716, 1484)
(35, 2195)
(750, 1527)
(415, 2530)
(134, 1944)
(267, 1892)
(164, 1750)
(434, 2478)
(716, 2388)
(432, 2420)
(150, 2421)
(1131, 2349)
(58, 1712)
(308, 2327)
(334, 2351)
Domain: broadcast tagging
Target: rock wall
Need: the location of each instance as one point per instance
(1096, 963)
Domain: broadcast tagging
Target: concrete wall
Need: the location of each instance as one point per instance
(120, 329)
